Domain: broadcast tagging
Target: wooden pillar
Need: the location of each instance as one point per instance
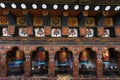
(27, 64)
(118, 55)
(76, 50)
(51, 69)
(99, 64)
(118, 62)
(3, 61)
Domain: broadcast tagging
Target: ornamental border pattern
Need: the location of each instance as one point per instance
(61, 39)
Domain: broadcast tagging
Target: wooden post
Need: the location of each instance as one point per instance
(99, 64)
(118, 55)
(75, 66)
(3, 65)
(51, 69)
(3, 61)
(27, 64)
(76, 50)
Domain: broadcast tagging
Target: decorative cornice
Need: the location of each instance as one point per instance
(61, 41)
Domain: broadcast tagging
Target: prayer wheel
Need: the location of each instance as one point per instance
(19, 55)
(106, 59)
(63, 57)
(41, 56)
(84, 57)
(106, 55)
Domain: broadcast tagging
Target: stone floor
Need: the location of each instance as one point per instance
(108, 75)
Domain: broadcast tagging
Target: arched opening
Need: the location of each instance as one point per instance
(110, 62)
(63, 62)
(40, 59)
(15, 59)
(87, 65)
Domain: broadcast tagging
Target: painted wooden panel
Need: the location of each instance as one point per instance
(37, 21)
(47, 30)
(108, 22)
(11, 30)
(90, 22)
(117, 31)
(82, 31)
(100, 31)
(65, 30)
(20, 21)
(55, 22)
(3, 20)
(72, 22)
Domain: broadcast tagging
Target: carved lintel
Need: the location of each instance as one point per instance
(4, 49)
(27, 49)
(117, 49)
(76, 49)
(99, 49)
(51, 49)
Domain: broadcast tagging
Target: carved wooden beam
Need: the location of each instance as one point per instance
(99, 19)
(65, 18)
(10, 16)
(46, 18)
(81, 18)
(117, 20)
(28, 17)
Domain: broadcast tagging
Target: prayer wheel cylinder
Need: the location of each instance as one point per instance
(41, 55)
(84, 57)
(19, 55)
(106, 55)
(63, 56)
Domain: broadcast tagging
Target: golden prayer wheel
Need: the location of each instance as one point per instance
(106, 55)
(63, 56)
(84, 57)
(41, 55)
(19, 55)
